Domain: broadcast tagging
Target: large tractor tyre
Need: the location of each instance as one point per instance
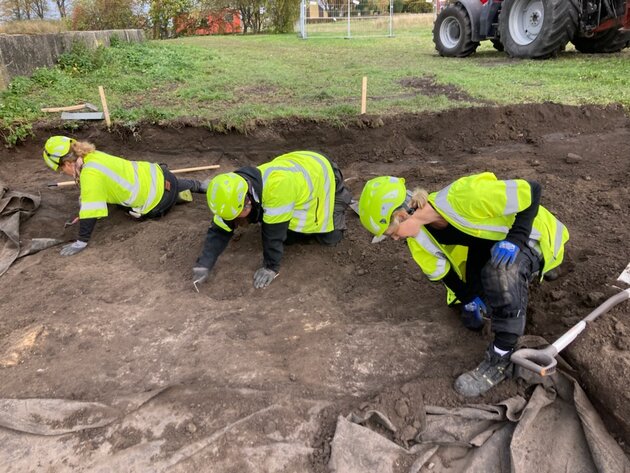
(604, 42)
(452, 32)
(537, 29)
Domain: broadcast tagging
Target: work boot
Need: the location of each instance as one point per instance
(490, 372)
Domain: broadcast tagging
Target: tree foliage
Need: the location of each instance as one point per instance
(163, 12)
(103, 15)
(20, 10)
(284, 13)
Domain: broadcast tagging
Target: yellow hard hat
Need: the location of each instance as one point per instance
(56, 147)
(379, 198)
(226, 195)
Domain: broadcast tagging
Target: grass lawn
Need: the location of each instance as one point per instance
(230, 81)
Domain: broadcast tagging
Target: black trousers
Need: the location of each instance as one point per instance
(506, 292)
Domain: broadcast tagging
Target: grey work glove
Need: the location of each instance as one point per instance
(200, 274)
(73, 248)
(263, 277)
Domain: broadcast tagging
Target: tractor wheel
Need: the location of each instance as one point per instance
(452, 33)
(497, 44)
(537, 29)
(609, 41)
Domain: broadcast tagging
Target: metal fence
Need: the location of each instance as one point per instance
(346, 18)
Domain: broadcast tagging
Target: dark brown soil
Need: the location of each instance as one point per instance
(342, 328)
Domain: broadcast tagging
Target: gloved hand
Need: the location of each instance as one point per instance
(503, 252)
(472, 314)
(200, 274)
(72, 248)
(263, 277)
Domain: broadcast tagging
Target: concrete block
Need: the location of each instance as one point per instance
(21, 54)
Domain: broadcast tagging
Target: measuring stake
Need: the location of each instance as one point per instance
(364, 95)
(101, 92)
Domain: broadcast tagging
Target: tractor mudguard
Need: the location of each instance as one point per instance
(475, 9)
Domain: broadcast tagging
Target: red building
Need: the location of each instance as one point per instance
(225, 21)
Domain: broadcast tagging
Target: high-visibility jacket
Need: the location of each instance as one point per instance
(107, 179)
(297, 187)
(485, 207)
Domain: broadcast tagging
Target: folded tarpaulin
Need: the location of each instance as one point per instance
(555, 430)
(15, 207)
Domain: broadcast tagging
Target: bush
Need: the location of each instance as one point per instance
(81, 59)
(16, 112)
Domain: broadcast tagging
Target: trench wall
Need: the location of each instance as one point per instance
(21, 54)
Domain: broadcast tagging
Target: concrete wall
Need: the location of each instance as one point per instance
(21, 54)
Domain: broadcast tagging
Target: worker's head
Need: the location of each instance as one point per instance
(56, 150)
(381, 196)
(227, 195)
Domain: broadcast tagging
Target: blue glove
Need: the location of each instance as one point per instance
(503, 252)
(472, 314)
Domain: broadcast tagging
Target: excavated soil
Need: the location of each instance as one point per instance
(265, 373)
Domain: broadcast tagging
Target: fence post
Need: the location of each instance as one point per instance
(391, 18)
(349, 34)
(303, 19)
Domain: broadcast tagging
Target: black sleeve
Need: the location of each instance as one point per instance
(217, 240)
(522, 226)
(464, 293)
(273, 236)
(86, 227)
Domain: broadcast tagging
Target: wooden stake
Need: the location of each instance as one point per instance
(101, 92)
(364, 96)
(69, 108)
(200, 168)
(174, 171)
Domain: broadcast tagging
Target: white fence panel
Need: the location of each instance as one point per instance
(346, 18)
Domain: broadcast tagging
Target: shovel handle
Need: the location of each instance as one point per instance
(543, 361)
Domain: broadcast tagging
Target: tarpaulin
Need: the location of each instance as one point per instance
(15, 207)
(556, 429)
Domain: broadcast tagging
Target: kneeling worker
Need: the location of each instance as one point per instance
(298, 196)
(149, 190)
(486, 239)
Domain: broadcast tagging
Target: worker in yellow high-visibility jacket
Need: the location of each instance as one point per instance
(486, 239)
(149, 190)
(295, 197)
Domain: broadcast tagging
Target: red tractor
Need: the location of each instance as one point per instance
(535, 29)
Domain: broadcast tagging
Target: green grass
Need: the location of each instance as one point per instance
(230, 81)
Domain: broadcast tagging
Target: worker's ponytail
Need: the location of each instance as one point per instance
(419, 198)
(82, 148)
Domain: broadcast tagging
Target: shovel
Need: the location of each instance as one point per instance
(543, 361)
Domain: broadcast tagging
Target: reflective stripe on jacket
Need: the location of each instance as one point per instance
(484, 207)
(299, 187)
(107, 179)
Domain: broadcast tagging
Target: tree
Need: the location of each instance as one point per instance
(252, 14)
(163, 12)
(61, 6)
(103, 15)
(16, 9)
(284, 13)
(39, 8)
